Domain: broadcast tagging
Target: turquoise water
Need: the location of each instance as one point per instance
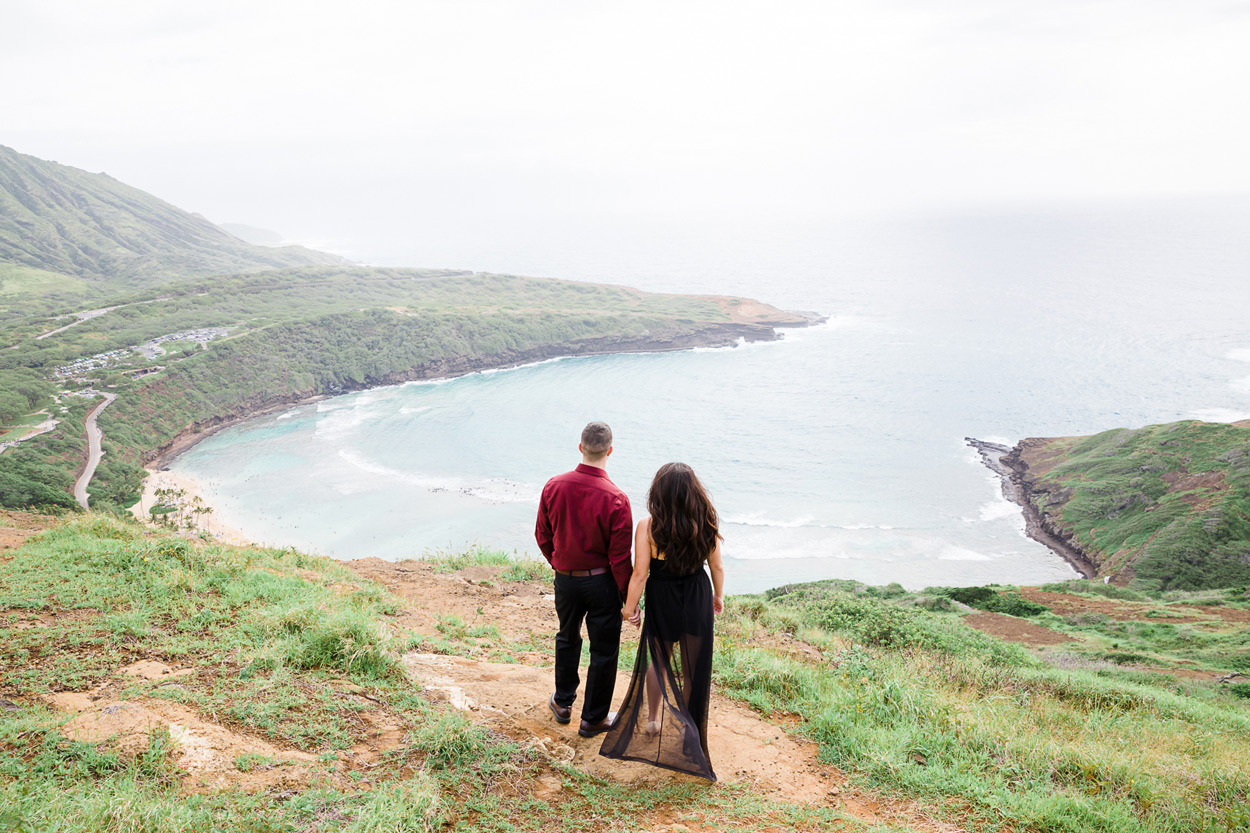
(836, 452)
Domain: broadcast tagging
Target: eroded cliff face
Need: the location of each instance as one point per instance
(1161, 507)
(1043, 501)
(1042, 519)
(711, 335)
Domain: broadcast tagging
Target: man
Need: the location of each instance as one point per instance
(584, 529)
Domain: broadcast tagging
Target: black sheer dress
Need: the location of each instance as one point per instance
(663, 720)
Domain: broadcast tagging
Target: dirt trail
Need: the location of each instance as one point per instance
(1014, 629)
(511, 697)
(213, 756)
(16, 527)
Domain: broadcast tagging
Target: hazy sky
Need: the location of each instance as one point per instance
(351, 121)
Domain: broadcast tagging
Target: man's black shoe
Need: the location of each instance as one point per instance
(563, 713)
(589, 730)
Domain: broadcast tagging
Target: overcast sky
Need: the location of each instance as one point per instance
(350, 121)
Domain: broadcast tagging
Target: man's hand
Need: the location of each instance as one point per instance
(634, 618)
(718, 604)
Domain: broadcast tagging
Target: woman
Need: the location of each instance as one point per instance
(674, 663)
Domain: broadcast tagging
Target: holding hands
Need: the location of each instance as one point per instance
(634, 617)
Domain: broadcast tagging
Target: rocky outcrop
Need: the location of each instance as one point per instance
(1020, 483)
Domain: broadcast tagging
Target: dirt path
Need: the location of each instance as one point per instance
(94, 450)
(1014, 629)
(16, 527)
(511, 696)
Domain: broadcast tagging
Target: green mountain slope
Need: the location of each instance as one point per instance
(87, 303)
(90, 226)
(1161, 507)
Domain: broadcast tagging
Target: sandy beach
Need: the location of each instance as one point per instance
(207, 522)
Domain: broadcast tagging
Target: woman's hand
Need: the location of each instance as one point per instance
(634, 617)
(718, 604)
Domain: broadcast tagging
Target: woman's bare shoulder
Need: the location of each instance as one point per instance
(645, 525)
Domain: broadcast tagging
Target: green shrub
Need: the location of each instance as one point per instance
(992, 599)
(1014, 604)
(977, 597)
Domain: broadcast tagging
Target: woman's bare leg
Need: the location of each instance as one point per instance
(653, 695)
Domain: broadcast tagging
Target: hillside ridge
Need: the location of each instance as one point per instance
(65, 220)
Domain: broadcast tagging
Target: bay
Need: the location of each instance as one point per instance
(836, 452)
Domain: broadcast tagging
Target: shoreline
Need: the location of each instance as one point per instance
(157, 462)
(207, 522)
(1015, 490)
(726, 335)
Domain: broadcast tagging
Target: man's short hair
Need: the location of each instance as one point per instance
(596, 439)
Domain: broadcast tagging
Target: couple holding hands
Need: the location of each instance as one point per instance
(584, 529)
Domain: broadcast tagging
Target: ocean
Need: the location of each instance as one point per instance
(836, 452)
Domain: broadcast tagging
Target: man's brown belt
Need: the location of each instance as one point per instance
(598, 571)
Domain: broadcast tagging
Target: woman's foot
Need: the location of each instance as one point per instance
(653, 728)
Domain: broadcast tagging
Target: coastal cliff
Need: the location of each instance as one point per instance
(1020, 486)
(1165, 507)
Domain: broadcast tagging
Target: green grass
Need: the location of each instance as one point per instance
(268, 634)
(24, 281)
(1093, 587)
(1132, 501)
(515, 567)
(907, 700)
(918, 704)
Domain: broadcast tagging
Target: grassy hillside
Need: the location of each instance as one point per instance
(268, 690)
(1161, 507)
(1005, 738)
(91, 227)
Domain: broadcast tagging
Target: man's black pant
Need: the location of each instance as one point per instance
(597, 600)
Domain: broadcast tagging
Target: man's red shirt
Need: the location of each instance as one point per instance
(584, 522)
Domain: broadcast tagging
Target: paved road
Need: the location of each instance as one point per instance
(79, 318)
(94, 435)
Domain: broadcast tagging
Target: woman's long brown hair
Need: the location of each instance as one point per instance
(684, 524)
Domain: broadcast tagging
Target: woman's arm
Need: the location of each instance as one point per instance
(717, 568)
(642, 566)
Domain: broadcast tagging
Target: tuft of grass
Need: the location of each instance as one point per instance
(527, 569)
(409, 806)
(515, 567)
(343, 640)
(1094, 587)
(250, 761)
(875, 622)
